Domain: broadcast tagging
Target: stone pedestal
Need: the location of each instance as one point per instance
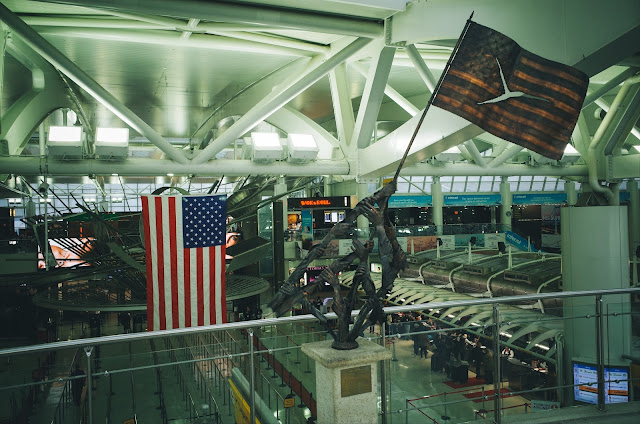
(347, 381)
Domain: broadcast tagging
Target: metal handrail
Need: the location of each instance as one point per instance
(69, 344)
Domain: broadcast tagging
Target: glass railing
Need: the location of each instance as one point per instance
(456, 370)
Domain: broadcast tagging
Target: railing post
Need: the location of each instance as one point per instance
(252, 382)
(497, 363)
(383, 371)
(600, 352)
(445, 417)
(88, 350)
(406, 411)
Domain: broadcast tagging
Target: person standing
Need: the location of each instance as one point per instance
(77, 384)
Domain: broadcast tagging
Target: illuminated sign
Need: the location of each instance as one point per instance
(319, 202)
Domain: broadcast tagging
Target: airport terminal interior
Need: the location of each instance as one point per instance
(497, 276)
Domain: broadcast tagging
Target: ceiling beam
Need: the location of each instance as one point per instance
(390, 92)
(465, 169)
(342, 106)
(440, 131)
(243, 13)
(376, 81)
(421, 67)
(539, 26)
(48, 93)
(73, 72)
(156, 167)
(270, 104)
(166, 38)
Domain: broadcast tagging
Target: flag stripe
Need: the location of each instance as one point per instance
(194, 285)
(501, 128)
(212, 292)
(160, 267)
(206, 288)
(200, 283)
(178, 262)
(478, 91)
(552, 123)
(186, 258)
(221, 314)
(166, 262)
(149, 262)
(173, 259)
(545, 67)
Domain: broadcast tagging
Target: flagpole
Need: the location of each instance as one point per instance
(433, 96)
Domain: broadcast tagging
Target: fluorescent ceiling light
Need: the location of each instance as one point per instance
(302, 141)
(112, 142)
(266, 146)
(112, 136)
(65, 134)
(302, 147)
(570, 150)
(261, 139)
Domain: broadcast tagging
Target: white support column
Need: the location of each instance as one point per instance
(437, 200)
(506, 200)
(342, 107)
(327, 185)
(3, 46)
(279, 188)
(362, 222)
(634, 215)
(572, 194)
(372, 98)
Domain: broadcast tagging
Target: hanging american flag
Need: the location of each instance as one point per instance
(185, 250)
(512, 93)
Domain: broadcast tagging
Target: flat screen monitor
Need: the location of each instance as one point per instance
(68, 252)
(585, 389)
(312, 273)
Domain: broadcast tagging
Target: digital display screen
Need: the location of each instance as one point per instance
(585, 389)
(318, 202)
(312, 273)
(333, 216)
(68, 252)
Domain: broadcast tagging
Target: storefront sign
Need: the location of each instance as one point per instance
(471, 200)
(409, 201)
(540, 199)
(319, 202)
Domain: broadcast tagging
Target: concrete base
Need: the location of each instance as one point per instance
(347, 381)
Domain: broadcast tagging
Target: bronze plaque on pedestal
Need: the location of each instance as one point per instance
(355, 381)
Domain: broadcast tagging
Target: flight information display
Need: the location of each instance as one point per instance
(585, 389)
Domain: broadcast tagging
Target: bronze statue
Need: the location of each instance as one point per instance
(392, 257)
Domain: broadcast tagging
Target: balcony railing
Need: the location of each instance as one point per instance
(189, 373)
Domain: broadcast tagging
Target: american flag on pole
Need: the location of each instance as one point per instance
(185, 243)
(512, 93)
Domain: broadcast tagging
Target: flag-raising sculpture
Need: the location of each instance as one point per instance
(496, 84)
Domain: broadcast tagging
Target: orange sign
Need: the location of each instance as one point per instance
(319, 202)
